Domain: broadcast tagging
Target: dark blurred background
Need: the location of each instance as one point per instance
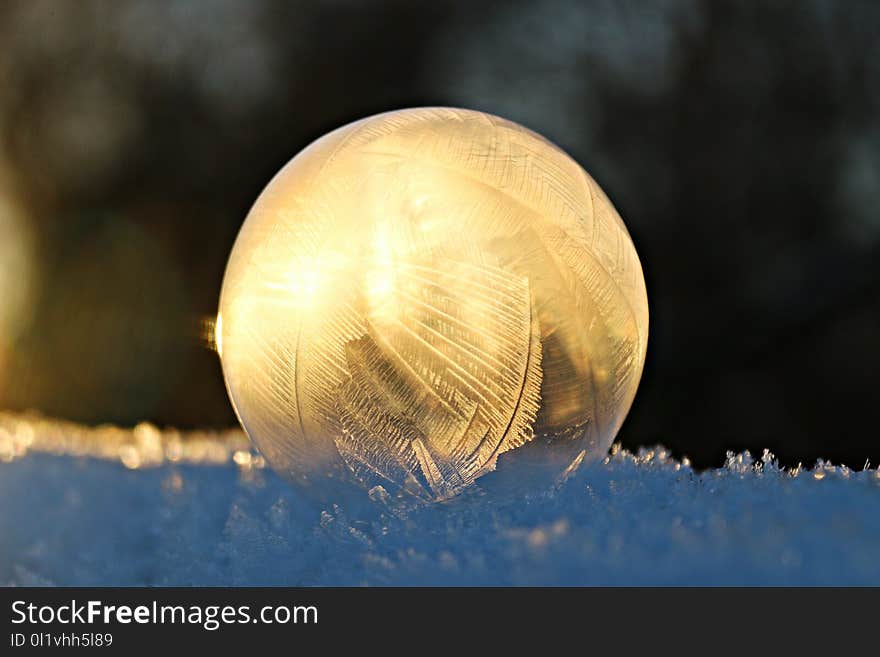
(739, 140)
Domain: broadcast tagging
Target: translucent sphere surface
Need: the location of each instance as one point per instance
(416, 293)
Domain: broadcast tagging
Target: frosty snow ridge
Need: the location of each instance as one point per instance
(146, 446)
(143, 446)
(192, 509)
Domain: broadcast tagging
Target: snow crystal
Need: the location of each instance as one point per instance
(108, 506)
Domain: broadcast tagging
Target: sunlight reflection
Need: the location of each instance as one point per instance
(145, 446)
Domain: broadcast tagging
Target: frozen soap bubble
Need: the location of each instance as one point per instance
(419, 292)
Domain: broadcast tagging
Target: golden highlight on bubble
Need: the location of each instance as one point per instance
(419, 292)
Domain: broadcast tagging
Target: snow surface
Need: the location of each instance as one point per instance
(106, 506)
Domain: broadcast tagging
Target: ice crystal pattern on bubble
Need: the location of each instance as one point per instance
(419, 292)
